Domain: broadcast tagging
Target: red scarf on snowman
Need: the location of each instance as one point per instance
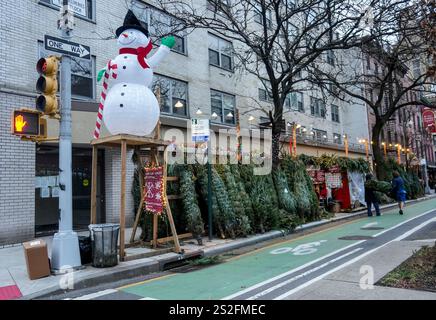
(141, 52)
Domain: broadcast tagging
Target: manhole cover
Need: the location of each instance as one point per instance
(355, 238)
(372, 228)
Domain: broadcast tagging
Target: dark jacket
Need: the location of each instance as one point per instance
(370, 195)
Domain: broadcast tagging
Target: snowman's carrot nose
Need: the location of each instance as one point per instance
(125, 35)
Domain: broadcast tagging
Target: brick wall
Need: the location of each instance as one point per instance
(17, 172)
(113, 186)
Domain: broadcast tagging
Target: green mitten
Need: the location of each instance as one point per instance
(168, 41)
(100, 74)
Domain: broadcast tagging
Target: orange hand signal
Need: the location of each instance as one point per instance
(19, 123)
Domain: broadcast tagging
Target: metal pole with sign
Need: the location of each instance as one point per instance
(200, 133)
(65, 248)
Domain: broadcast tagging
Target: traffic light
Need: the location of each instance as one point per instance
(47, 84)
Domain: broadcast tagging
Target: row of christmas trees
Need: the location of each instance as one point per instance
(242, 202)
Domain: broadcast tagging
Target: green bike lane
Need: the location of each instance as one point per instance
(239, 273)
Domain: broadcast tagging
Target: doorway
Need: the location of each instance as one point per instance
(46, 189)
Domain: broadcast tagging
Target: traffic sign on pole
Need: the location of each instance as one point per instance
(200, 130)
(67, 47)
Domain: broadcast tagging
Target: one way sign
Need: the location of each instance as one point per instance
(67, 47)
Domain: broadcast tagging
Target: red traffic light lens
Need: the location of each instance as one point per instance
(41, 65)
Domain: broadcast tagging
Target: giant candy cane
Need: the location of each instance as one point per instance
(110, 67)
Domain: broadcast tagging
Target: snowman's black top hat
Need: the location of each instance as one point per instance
(131, 22)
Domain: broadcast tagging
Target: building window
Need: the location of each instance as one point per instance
(84, 8)
(171, 94)
(82, 74)
(223, 105)
(331, 57)
(337, 138)
(161, 25)
(319, 135)
(220, 53)
(258, 16)
(294, 101)
(301, 131)
(317, 107)
(335, 113)
(211, 5)
(265, 91)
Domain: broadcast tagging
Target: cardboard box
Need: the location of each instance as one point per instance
(37, 261)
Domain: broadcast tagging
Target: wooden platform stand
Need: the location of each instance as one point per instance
(137, 143)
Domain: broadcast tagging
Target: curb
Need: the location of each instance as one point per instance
(164, 262)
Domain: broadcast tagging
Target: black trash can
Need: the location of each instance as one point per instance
(85, 249)
(104, 238)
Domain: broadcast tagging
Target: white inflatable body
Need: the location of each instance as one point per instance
(130, 106)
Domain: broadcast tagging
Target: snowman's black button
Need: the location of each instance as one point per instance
(122, 93)
(124, 67)
(121, 105)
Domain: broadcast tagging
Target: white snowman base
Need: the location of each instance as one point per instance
(131, 109)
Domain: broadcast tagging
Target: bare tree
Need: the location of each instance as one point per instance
(388, 73)
(277, 40)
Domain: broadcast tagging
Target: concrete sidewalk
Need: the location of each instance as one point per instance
(13, 271)
(345, 283)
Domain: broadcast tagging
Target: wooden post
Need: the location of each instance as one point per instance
(123, 197)
(94, 185)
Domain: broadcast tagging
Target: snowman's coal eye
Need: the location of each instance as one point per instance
(124, 85)
(121, 105)
(122, 93)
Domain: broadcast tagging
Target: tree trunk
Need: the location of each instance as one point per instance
(275, 146)
(378, 153)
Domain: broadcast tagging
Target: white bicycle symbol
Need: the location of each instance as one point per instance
(300, 250)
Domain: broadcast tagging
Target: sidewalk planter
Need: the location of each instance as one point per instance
(104, 239)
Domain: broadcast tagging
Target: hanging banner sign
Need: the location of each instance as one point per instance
(154, 190)
(428, 119)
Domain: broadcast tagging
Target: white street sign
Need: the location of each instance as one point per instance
(67, 47)
(200, 130)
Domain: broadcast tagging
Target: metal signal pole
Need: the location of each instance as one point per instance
(65, 249)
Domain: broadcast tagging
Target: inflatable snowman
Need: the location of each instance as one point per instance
(127, 105)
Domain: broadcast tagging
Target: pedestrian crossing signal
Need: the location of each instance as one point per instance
(25, 123)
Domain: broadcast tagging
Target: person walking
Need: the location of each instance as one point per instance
(399, 191)
(371, 197)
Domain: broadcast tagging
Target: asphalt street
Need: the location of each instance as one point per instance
(277, 271)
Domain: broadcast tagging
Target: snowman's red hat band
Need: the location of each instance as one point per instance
(141, 52)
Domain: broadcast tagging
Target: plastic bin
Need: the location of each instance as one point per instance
(104, 240)
(85, 248)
